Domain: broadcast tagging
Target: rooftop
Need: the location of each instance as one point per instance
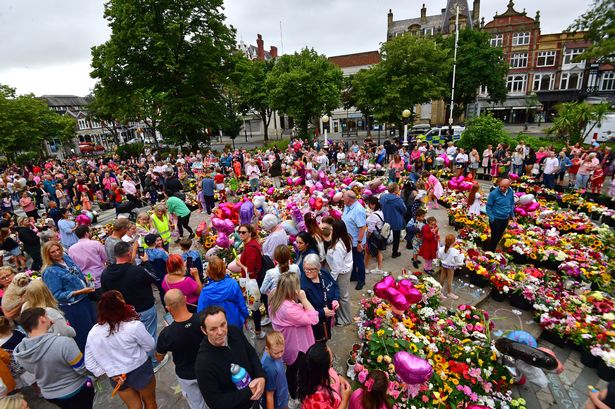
(356, 60)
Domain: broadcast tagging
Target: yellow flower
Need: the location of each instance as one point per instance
(379, 359)
(387, 359)
(380, 332)
(414, 348)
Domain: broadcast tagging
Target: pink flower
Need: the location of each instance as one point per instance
(362, 376)
(478, 327)
(425, 398)
(487, 386)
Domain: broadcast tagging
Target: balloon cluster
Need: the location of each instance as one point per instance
(525, 204)
(85, 218)
(461, 182)
(400, 294)
(224, 226)
(412, 369)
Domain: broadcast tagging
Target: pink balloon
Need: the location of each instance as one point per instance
(520, 211)
(473, 406)
(452, 184)
(513, 176)
(270, 190)
(336, 214)
(321, 175)
(289, 181)
(331, 193)
(319, 186)
(347, 181)
(367, 193)
(519, 194)
(399, 302)
(412, 369)
(382, 285)
(414, 295)
(381, 189)
(297, 181)
(404, 286)
(465, 185)
(532, 207)
(229, 226)
(223, 241)
(312, 203)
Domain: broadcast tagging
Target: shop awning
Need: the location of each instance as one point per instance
(517, 103)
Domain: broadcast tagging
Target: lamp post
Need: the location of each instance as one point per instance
(405, 115)
(325, 119)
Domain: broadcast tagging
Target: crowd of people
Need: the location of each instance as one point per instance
(77, 309)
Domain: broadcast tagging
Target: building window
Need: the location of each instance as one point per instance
(521, 38)
(608, 81)
(545, 59)
(483, 91)
(82, 123)
(518, 60)
(571, 81)
(569, 54)
(497, 40)
(543, 82)
(516, 83)
(428, 32)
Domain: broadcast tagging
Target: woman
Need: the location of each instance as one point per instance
(320, 387)
(68, 285)
(117, 347)
(517, 161)
(162, 225)
(461, 162)
(292, 315)
(315, 231)
(281, 255)
(176, 278)
(251, 261)
(37, 295)
(374, 221)
(28, 205)
(323, 293)
(224, 291)
(326, 227)
(529, 161)
(474, 160)
(395, 168)
(339, 258)
(306, 245)
(588, 164)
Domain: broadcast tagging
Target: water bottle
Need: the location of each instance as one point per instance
(240, 377)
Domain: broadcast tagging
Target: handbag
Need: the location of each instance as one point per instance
(252, 292)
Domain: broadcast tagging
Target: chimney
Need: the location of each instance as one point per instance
(274, 52)
(443, 11)
(260, 46)
(476, 12)
(423, 14)
(390, 19)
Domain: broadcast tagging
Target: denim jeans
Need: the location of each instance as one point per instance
(358, 266)
(149, 318)
(192, 393)
(518, 169)
(581, 182)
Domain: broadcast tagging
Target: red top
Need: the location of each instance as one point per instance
(251, 257)
(430, 243)
(321, 400)
(219, 178)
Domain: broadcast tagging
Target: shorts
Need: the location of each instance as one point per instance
(372, 247)
(15, 252)
(446, 266)
(139, 378)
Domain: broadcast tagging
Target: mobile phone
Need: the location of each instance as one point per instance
(141, 251)
(188, 263)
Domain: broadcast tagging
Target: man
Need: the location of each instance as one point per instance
(49, 184)
(182, 338)
(394, 211)
(134, 282)
(89, 255)
(222, 346)
(55, 361)
(208, 186)
(277, 235)
(120, 228)
(551, 169)
(356, 222)
(500, 209)
(172, 183)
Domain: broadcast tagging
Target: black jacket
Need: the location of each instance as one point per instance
(132, 281)
(173, 184)
(213, 371)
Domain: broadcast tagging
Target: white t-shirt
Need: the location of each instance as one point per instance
(551, 165)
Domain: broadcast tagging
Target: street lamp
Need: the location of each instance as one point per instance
(406, 115)
(325, 119)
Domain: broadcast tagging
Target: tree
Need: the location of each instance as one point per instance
(478, 64)
(413, 70)
(599, 22)
(251, 78)
(573, 119)
(482, 131)
(26, 122)
(170, 58)
(361, 91)
(304, 86)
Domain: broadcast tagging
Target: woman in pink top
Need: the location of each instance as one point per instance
(28, 205)
(587, 166)
(373, 393)
(294, 320)
(176, 278)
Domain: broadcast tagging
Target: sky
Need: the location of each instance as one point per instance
(45, 44)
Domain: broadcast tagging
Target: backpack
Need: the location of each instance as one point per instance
(266, 264)
(381, 235)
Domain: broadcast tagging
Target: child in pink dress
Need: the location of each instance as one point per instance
(373, 391)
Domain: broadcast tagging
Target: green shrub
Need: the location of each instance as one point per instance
(482, 131)
(281, 144)
(25, 157)
(129, 150)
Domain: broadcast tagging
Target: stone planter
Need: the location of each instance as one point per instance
(498, 296)
(518, 301)
(588, 359)
(553, 338)
(605, 372)
(479, 281)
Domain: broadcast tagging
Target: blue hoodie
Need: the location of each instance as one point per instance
(226, 294)
(394, 210)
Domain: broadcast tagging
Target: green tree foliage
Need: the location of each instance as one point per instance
(414, 70)
(361, 91)
(482, 131)
(304, 86)
(26, 122)
(478, 64)
(571, 122)
(250, 79)
(170, 60)
(599, 22)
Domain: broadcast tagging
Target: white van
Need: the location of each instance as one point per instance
(438, 134)
(603, 132)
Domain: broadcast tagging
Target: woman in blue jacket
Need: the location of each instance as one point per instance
(68, 285)
(323, 293)
(223, 291)
(306, 244)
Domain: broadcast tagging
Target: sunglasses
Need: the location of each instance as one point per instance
(242, 231)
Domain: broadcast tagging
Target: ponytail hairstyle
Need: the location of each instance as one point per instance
(281, 254)
(375, 389)
(449, 240)
(472, 194)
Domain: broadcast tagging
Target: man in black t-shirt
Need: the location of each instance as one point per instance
(182, 338)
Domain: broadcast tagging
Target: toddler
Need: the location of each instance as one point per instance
(450, 259)
(276, 385)
(429, 246)
(373, 393)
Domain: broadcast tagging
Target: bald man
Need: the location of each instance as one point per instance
(355, 219)
(500, 209)
(182, 338)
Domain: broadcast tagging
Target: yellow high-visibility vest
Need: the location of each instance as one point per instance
(162, 227)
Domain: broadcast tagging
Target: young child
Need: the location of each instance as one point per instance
(186, 244)
(597, 179)
(474, 203)
(276, 386)
(429, 247)
(85, 201)
(450, 259)
(413, 230)
(373, 393)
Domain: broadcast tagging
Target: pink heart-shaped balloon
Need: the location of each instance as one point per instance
(270, 190)
(412, 369)
(404, 285)
(382, 285)
(473, 406)
(414, 295)
(398, 301)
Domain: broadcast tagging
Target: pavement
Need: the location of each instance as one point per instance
(566, 391)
